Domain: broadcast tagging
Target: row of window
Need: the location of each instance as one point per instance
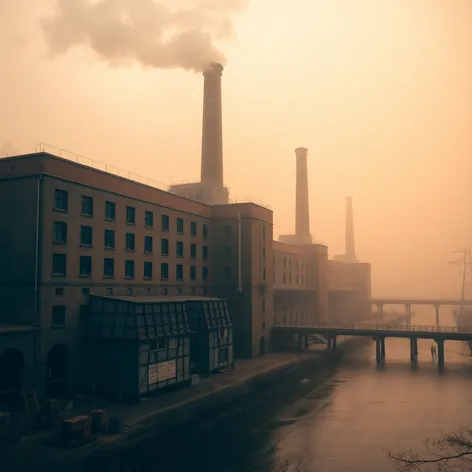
(59, 268)
(86, 239)
(61, 203)
(287, 262)
(298, 281)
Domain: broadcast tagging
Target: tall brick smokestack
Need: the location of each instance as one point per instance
(212, 132)
(302, 210)
(350, 251)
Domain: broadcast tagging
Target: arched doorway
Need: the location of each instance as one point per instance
(12, 368)
(57, 372)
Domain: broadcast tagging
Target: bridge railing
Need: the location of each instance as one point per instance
(384, 327)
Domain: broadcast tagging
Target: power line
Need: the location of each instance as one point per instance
(464, 262)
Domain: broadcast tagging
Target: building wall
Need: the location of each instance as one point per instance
(251, 294)
(18, 198)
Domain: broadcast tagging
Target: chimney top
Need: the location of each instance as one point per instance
(213, 68)
(301, 151)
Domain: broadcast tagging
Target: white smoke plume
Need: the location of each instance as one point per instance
(156, 33)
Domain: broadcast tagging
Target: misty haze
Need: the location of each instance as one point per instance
(236, 235)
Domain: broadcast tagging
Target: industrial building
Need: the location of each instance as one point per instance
(75, 238)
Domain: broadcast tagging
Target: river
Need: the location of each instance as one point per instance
(342, 420)
(348, 423)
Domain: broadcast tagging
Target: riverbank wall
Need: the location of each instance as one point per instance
(247, 405)
(250, 398)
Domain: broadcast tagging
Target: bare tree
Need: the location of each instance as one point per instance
(291, 465)
(451, 452)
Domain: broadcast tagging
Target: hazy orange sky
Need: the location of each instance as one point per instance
(379, 91)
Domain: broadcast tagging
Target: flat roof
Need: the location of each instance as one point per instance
(158, 298)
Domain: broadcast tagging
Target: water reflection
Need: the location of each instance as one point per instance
(348, 423)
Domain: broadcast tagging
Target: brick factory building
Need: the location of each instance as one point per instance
(71, 231)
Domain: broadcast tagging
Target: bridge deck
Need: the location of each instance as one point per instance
(382, 330)
(420, 301)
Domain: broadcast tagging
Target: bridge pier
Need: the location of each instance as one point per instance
(436, 307)
(440, 343)
(379, 349)
(413, 349)
(332, 343)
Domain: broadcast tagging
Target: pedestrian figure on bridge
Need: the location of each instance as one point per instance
(432, 352)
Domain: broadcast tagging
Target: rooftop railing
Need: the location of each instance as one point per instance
(94, 164)
(86, 161)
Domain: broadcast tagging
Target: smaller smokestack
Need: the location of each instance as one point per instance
(212, 130)
(302, 210)
(350, 251)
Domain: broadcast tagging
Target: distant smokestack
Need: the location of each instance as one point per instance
(212, 132)
(350, 252)
(302, 211)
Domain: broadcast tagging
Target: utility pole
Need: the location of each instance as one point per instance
(465, 264)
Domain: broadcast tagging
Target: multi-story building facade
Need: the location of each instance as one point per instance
(71, 230)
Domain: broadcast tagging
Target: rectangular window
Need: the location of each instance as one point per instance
(59, 232)
(193, 228)
(130, 242)
(59, 291)
(61, 200)
(59, 264)
(58, 318)
(149, 219)
(193, 251)
(205, 252)
(205, 232)
(129, 269)
(85, 268)
(164, 271)
(147, 243)
(130, 215)
(87, 206)
(110, 211)
(148, 270)
(108, 267)
(205, 273)
(193, 272)
(85, 235)
(164, 247)
(165, 223)
(109, 239)
(180, 226)
(86, 291)
(179, 272)
(180, 249)
(227, 231)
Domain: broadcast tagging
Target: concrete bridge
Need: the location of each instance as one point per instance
(379, 332)
(408, 302)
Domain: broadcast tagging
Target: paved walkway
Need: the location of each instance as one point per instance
(31, 448)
